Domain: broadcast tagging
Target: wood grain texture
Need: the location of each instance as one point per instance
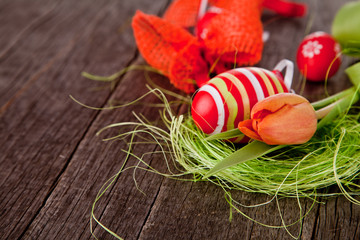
(40, 125)
(53, 164)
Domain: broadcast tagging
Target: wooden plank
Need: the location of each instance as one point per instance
(199, 211)
(338, 218)
(39, 200)
(15, 25)
(40, 125)
(44, 40)
(92, 164)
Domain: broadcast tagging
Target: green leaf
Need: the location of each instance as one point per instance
(343, 106)
(352, 96)
(250, 151)
(345, 27)
(352, 51)
(354, 74)
(225, 135)
(333, 98)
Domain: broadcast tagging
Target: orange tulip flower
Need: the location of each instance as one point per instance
(284, 118)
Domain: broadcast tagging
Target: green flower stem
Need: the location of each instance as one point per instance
(225, 135)
(348, 98)
(322, 112)
(342, 106)
(331, 99)
(353, 73)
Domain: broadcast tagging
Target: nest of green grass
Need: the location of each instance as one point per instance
(331, 157)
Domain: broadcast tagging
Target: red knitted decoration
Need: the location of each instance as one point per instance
(170, 49)
(183, 13)
(234, 38)
(231, 35)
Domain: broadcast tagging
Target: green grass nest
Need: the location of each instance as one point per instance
(331, 157)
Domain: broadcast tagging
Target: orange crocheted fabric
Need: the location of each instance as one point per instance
(233, 39)
(233, 35)
(228, 35)
(183, 13)
(170, 49)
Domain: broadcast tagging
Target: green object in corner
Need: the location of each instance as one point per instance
(346, 28)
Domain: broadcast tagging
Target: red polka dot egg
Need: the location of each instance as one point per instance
(318, 56)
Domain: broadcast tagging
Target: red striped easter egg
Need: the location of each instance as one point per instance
(227, 99)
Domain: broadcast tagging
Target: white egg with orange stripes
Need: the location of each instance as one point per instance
(227, 99)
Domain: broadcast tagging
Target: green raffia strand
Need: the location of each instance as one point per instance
(225, 135)
(104, 188)
(345, 28)
(118, 74)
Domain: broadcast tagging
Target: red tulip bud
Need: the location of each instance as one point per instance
(284, 118)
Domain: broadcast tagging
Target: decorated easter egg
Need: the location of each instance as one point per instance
(227, 99)
(318, 56)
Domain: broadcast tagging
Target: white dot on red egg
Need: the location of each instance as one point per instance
(318, 56)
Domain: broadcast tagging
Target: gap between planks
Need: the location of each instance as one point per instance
(68, 49)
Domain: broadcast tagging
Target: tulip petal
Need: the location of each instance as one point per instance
(274, 103)
(246, 127)
(281, 119)
(292, 124)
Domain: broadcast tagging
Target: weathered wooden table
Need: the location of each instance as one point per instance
(53, 165)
